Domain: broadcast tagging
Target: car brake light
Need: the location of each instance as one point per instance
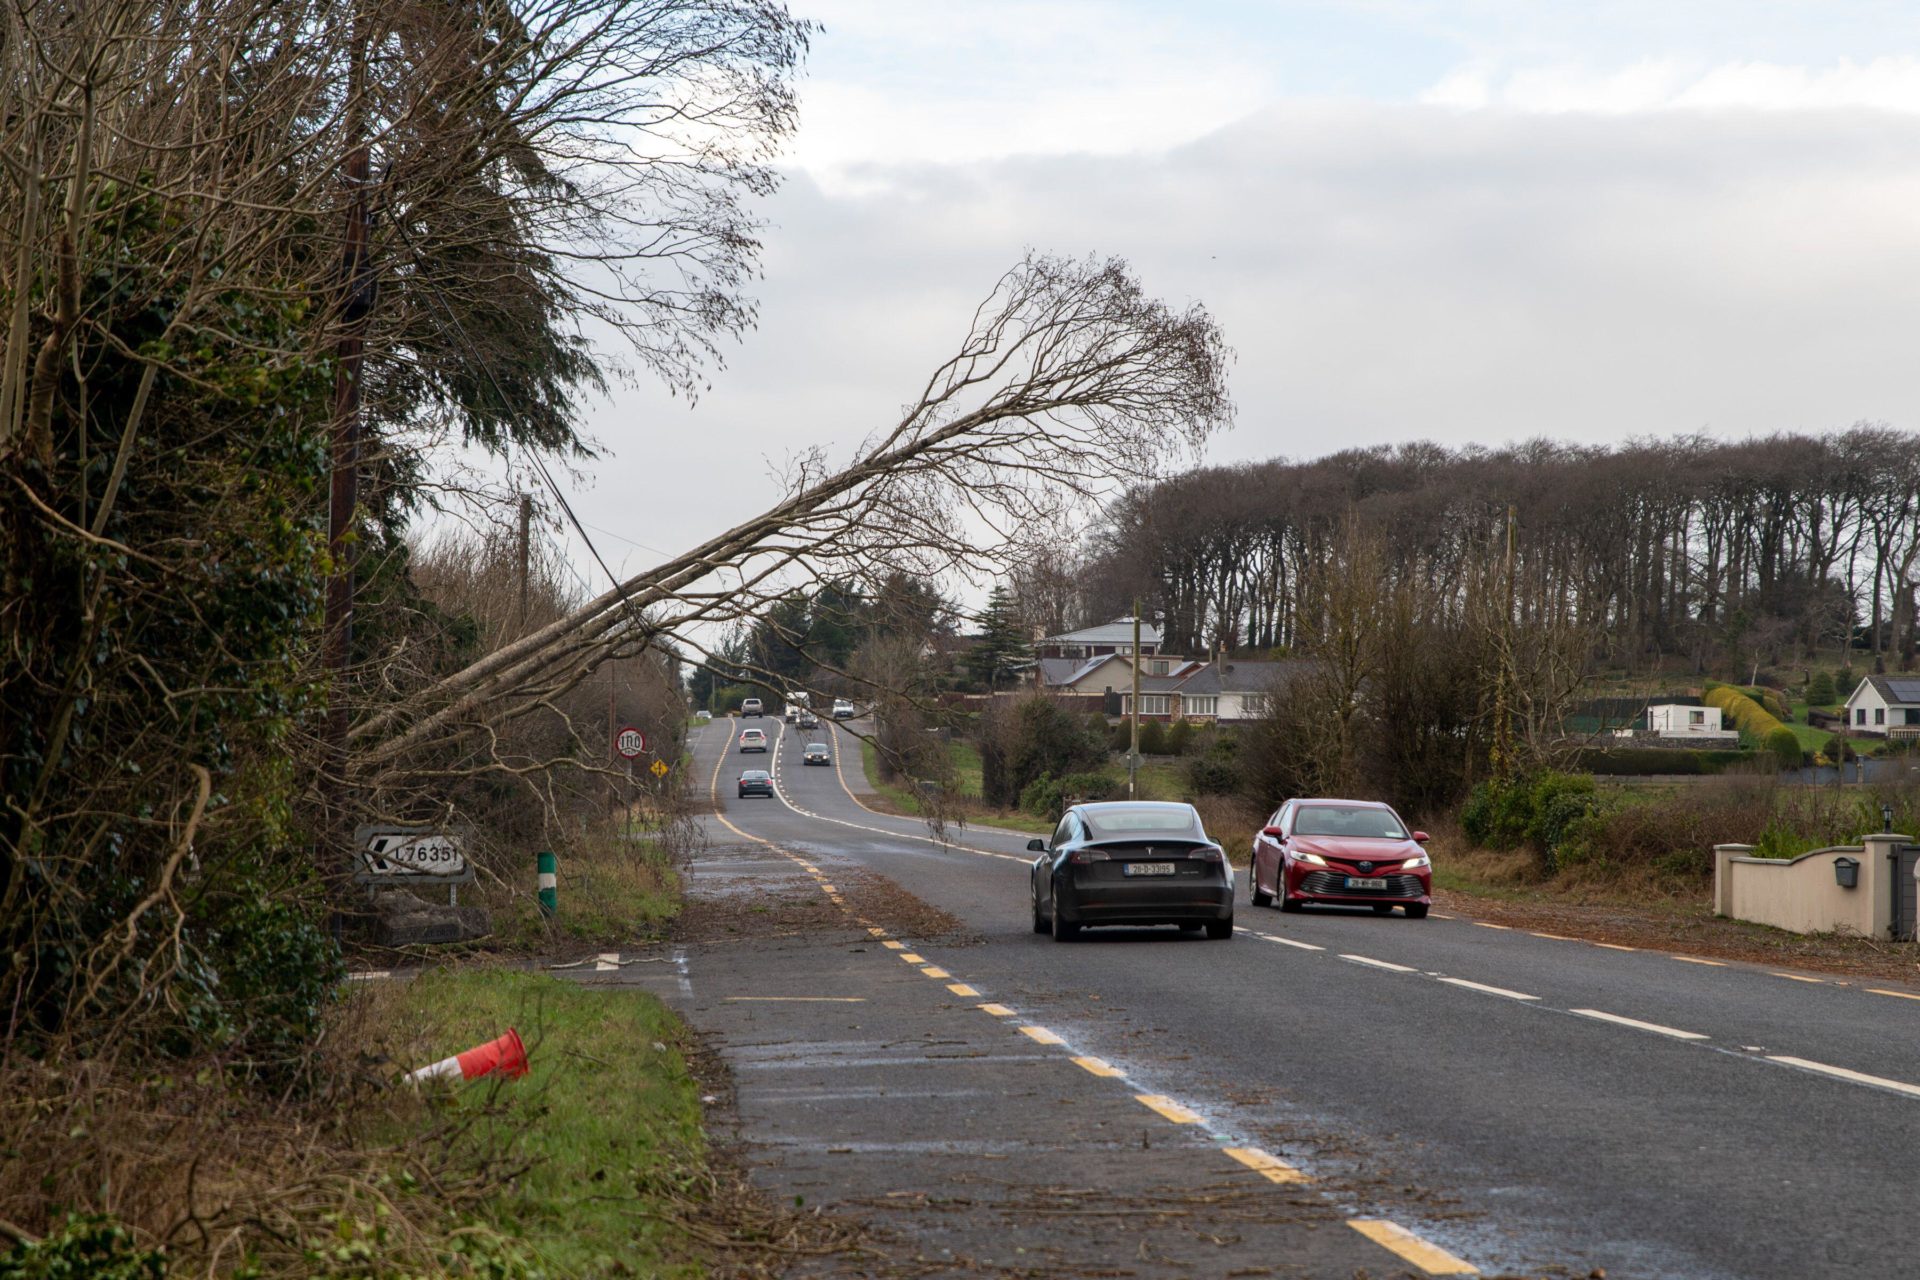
(1081, 857)
(1207, 854)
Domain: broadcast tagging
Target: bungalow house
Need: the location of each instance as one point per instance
(1106, 674)
(1886, 706)
(1229, 692)
(1097, 642)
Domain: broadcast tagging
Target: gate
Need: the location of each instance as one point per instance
(1906, 857)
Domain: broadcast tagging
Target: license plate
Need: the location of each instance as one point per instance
(1366, 882)
(1146, 868)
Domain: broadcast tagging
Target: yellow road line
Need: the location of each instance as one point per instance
(1718, 964)
(1167, 1107)
(891, 945)
(1041, 1035)
(1801, 977)
(1882, 991)
(997, 1010)
(911, 958)
(877, 931)
(827, 888)
(1484, 925)
(1430, 1258)
(933, 971)
(1270, 1167)
(961, 989)
(1099, 1067)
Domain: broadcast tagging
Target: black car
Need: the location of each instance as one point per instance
(1131, 863)
(756, 782)
(816, 753)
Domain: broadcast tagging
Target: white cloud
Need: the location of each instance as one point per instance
(1657, 84)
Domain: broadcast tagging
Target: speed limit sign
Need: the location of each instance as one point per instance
(630, 742)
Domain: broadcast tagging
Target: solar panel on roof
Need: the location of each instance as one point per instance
(1904, 690)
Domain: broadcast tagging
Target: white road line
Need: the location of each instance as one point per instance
(1718, 964)
(1638, 1025)
(1381, 964)
(1872, 991)
(1492, 991)
(1289, 942)
(1852, 1077)
(1484, 925)
(1800, 977)
(1614, 946)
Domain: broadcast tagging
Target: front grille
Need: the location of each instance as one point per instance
(1333, 882)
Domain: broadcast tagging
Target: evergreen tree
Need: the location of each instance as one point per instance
(1003, 644)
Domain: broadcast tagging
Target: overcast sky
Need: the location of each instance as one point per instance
(1475, 221)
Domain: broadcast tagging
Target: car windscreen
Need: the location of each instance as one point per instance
(1119, 823)
(1348, 820)
(754, 775)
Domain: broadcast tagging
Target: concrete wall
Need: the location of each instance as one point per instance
(1801, 896)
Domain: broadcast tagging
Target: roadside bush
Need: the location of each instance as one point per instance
(1753, 721)
(87, 1247)
(1153, 738)
(1637, 762)
(1543, 813)
(1179, 738)
(1033, 739)
(1120, 736)
(1216, 771)
(1047, 797)
(1820, 690)
(1785, 748)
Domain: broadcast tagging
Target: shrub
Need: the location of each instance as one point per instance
(1153, 738)
(1036, 738)
(1047, 797)
(1179, 738)
(1753, 721)
(85, 1246)
(1216, 771)
(1785, 747)
(1121, 736)
(1542, 813)
(1820, 690)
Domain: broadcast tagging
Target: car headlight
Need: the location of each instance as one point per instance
(1416, 861)
(1313, 859)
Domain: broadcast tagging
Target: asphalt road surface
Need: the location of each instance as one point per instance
(1524, 1103)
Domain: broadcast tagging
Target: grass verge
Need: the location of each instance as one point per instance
(603, 1137)
(611, 890)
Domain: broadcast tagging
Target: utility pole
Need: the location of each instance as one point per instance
(1133, 753)
(1502, 752)
(358, 291)
(526, 529)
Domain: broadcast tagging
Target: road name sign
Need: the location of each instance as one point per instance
(630, 742)
(410, 853)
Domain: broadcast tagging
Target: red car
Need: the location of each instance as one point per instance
(1342, 851)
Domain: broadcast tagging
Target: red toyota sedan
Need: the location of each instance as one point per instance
(1341, 851)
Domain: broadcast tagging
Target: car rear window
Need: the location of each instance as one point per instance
(1348, 820)
(1168, 820)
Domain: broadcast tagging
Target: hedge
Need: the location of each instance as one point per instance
(1634, 762)
(1754, 721)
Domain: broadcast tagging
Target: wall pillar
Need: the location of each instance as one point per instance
(1723, 877)
(1877, 876)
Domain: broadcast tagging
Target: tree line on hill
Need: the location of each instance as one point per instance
(1724, 552)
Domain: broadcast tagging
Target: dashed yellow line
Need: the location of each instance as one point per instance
(934, 971)
(1430, 1258)
(1040, 1035)
(829, 888)
(997, 1010)
(877, 931)
(1167, 1108)
(1268, 1166)
(961, 989)
(891, 945)
(911, 958)
(1898, 995)
(1099, 1067)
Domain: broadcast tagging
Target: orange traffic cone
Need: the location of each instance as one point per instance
(505, 1056)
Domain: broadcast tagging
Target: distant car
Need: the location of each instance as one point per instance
(756, 782)
(842, 709)
(808, 720)
(791, 712)
(753, 740)
(703, 715)
(1351, 852)
(752, 707)
(816, 753)
(1130, 863)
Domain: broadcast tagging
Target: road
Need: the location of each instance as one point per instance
(1526, 1103)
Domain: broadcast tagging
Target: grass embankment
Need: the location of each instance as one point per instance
(611, 889)
(603, 1137)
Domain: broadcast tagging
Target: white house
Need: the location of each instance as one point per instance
(1676, 720)
(1887, 706)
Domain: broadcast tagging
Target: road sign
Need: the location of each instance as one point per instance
(410, 853)
(660, 768)
(630, 742)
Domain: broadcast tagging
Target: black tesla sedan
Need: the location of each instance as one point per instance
(1132, 863)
